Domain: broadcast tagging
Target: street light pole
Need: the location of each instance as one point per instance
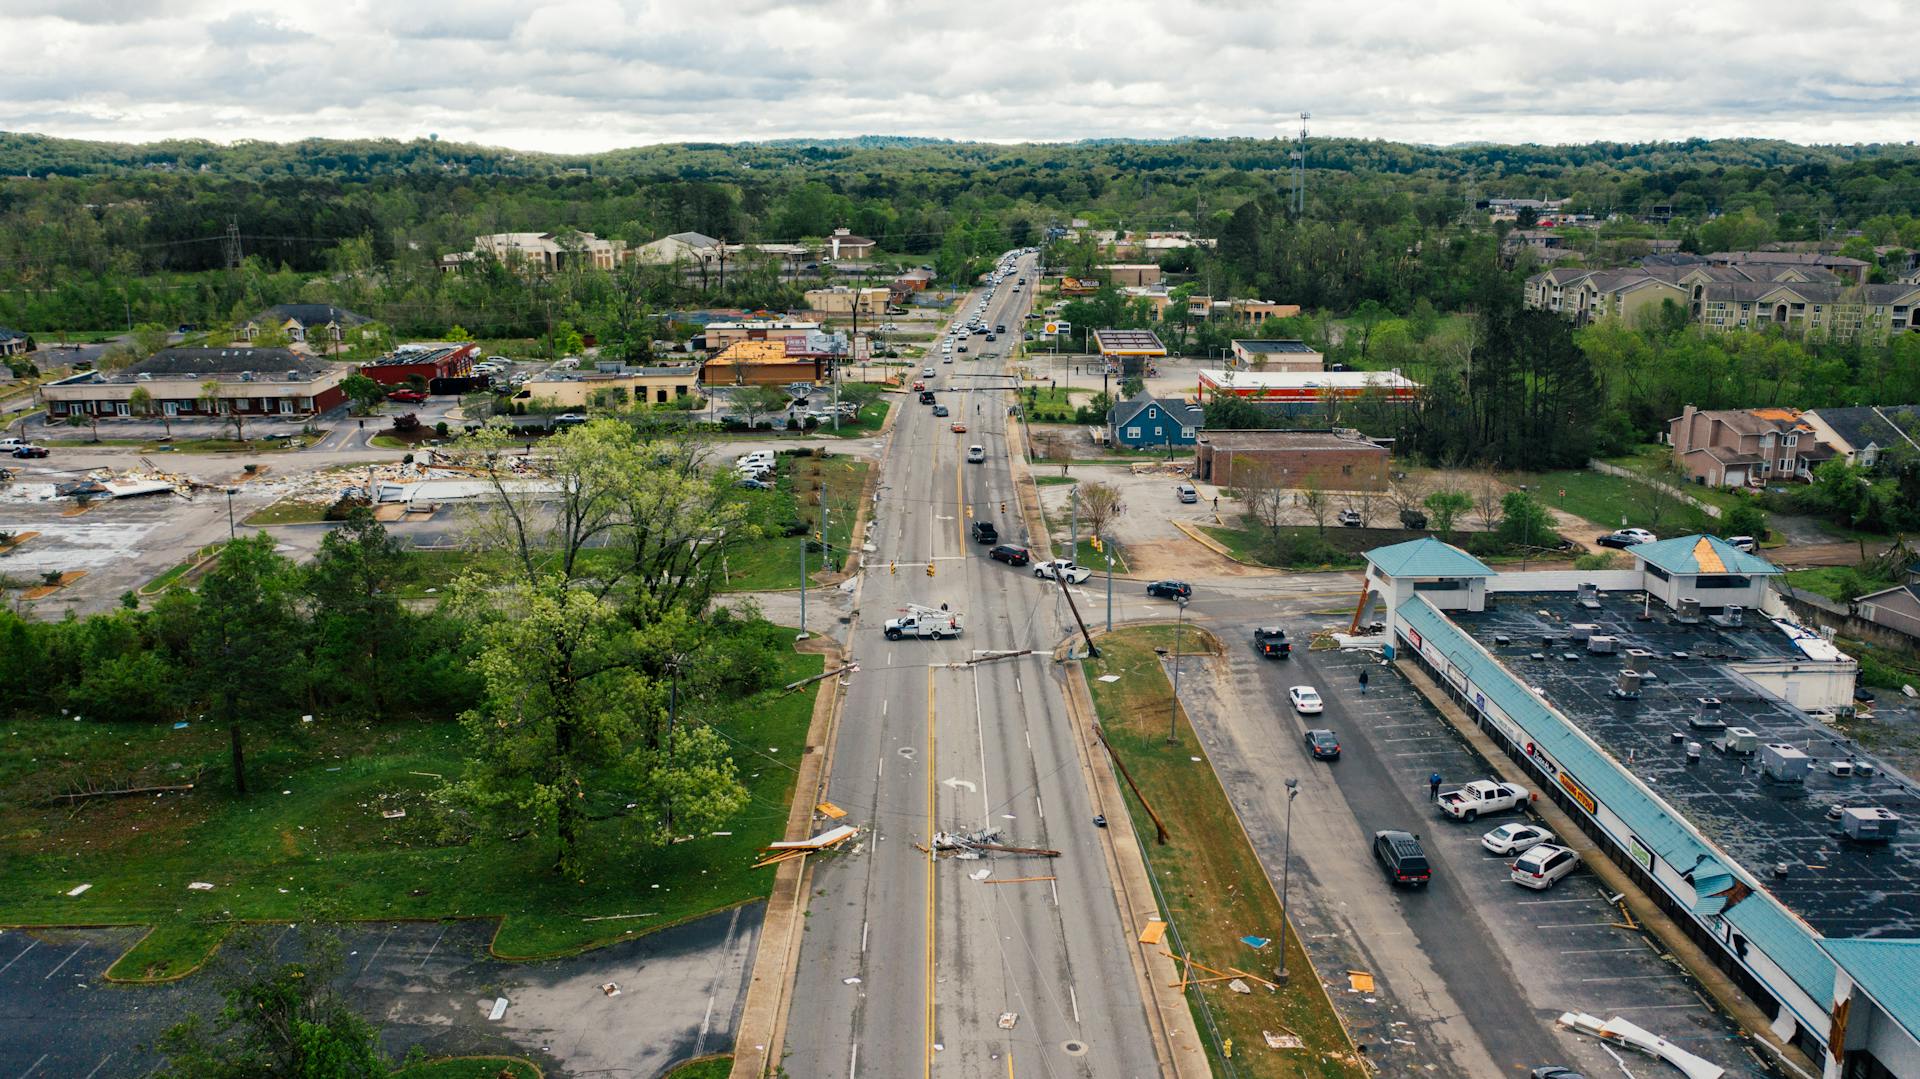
(1109, 554)
(230, 531)
(1179, 628)
(1286, 871)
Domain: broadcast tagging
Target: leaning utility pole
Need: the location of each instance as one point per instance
(1092, 651)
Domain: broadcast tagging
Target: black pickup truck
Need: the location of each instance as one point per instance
(985, 532)
(1272, 642)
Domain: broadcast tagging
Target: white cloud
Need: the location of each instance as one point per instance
(579, 75)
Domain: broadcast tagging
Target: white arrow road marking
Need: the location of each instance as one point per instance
(967, 783)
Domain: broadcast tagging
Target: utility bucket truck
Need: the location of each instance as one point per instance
(931, 623)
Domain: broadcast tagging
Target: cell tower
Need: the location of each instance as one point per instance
(1300, 168)
(230, 244)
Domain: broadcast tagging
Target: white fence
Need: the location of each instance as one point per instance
(1568, 580)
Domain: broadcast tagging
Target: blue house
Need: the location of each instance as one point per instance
(1146, 422)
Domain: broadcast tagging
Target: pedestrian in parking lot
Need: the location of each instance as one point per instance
(1363, 680)
(1433, 787)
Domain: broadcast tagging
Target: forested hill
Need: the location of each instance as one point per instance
(365, 159)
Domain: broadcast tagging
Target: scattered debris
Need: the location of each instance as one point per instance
(1620, 1032)
(1255, 942)
(200, 886)
(1283, 1041)
(611, 989)
(1153, 931)
(830, 811)
(1360, 981)
(972, 844)
(78, 889)
(1239, 986)
(1109, 678)
(1008, 1019)
(850, 981)
(393, 814)
(981, 874)
(787, 850)
(499, 1009)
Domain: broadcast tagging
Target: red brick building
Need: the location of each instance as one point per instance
(1329, 460)
(248, 381)
(430, 362)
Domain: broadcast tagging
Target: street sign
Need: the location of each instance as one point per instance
(1057, 327)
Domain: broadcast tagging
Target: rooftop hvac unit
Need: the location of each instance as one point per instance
(246, 376)
(1589, 596)
(293, 376)
(1840, 769)
(1783, 763)
(1601, 645)
(1582, 630)
(1688, 612)
(1706, 716)
(1869, 824)
(1627, 686)
(1732, 616)
(1742, 740)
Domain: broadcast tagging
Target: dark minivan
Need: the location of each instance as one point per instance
(1400, 855)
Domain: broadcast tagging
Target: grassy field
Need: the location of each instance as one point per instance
(172, 576)
(1606, 500)
(1053, 480)
(471, 1068)
(288, 511)
(708, 1068)
(313, 841)
(1836, 582)
(1096, 560)
(1050, 405)
(1249, 544)
(1208, 867)
(774, 561)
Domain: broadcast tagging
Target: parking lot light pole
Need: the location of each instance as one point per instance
(1286, 869)
(1109, 553)
(1173, 706)
(230, 531)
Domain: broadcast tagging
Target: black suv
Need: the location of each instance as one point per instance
(1271, 641)
(926, 397)
(985, 532)
(1400, 855)
(1011, 555)
(1170, 590)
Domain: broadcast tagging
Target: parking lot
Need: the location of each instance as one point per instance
(1473, 952)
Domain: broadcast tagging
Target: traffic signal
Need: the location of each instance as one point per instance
(893, 567)
(929, 569)
(1096, 542)
(1003, 507)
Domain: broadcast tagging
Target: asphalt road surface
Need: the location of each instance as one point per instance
(909, 962)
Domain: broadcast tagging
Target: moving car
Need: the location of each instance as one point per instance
(1623, 538)
(985, 532)
(1059, 567)
(976, 454)
(1514, 838)
(1482, 796)
(1170, 590)
(1542, 865)
(926, 397)
(1400, 854)
(1323, 744)
(1271, 642)
(1306, 700)
(940, 410)
(928, 373)
(27, 450)
(412, 397)
(957, 427)
(1011, 555)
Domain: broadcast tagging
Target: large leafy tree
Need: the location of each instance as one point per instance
(245, 637)
(360, 632)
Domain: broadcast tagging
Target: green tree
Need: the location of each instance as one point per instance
(1445, 507)
(149, 338)
(1744, 519)
(359, 627)
(457, 332)
(755, 402)
(1524, 521)
(364, 392)
(88, 420)
(245, 636)
(140, 402)
(280, 1018)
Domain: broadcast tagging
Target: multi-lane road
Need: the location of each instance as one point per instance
(909, 962)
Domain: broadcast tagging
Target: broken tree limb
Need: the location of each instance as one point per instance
(124, 792)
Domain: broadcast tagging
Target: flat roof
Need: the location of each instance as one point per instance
(407, 355)
(1261, 380)
(226, 364)
(1129, 342)
(1260, 439)
(1260, 345)
(1840, 888)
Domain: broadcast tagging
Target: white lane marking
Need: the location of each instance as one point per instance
(63, 962)
(31, 945)
(889, 659)
(1544, 902)
(1029, 736)
(1571, 925)
(1629, 978)
(1016, 684)
(1075, 998)
(853, 1061)
(1054, 887)
(36, 1065)
(97, 1067)
(863, 938)
(1037, 805)
(1644, 1007)
(883, 706)
(882, 770)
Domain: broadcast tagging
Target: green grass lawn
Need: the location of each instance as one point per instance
(1606, 500)
(1840, 584)
(312, 842)
(1096, 561)
(1053, 480)
(773, 561)
(1208, 869)
(1050, 405)
(1653, 459)
(1249, 544)
(288, 511)
(709, 1068)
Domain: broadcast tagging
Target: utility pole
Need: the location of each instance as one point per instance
(1286, 871)
(1173, 704)
(1092, 651)
(1300, 168)
(803, 585)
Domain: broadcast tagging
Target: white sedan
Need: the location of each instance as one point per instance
(1543, 865)
(1306, 700)
(1514, 838)
(1061, 567)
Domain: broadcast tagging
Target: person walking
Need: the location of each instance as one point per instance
(1433, 787)
(1363, 680)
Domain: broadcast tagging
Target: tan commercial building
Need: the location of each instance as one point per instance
(768, 363)
(1123, 274)
(1277, 355)
(840, 300)
(1339, 460)
(614, 386)
(719, 335)
(543, 252)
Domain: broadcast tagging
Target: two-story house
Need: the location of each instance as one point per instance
(1745, 447)
(1146, 422)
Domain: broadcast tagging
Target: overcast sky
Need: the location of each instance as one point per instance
(583, 75)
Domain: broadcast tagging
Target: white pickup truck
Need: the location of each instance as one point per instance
(925, 623)
(1482, 796)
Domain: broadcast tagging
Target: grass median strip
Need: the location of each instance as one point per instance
(1212, 887)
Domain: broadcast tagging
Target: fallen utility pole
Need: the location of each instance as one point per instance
(1160, 828)
(1092, 651)
(853, 668)
(991, 656)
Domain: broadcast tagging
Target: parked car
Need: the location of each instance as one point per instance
(1514, 838)
(1482, 796)
(26, 451)
(928, 373)
(1185, 493)
(1742, 543)
(1170, 590)
(1541, 866)
(1271, 642)
(1400, 854)
(1623, 538)
(1306, 700)
(752, 483)
(1062, 567)
(1350, 519)
(1011, 555)
(976, 455)
(412, 397)
(1323, 744)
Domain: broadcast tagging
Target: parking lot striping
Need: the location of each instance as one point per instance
(31, 945)
(375, 957)
(1646, 1007)
(63, 962)
(1598, 951)
(1412, 738)
(430, 948)
(1632, 977)
(1571, 925)
(1544, 902)
(97, 1067)
(36, 1065)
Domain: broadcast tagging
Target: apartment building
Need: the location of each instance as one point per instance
(544, 252)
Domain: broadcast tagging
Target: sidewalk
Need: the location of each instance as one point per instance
(1704, 970)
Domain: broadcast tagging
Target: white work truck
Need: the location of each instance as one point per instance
(1482, 796)
(927, 623)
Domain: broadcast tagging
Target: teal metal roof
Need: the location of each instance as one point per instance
(1710, 878)
(1788, 941)
(1427, 557)
(1885, 969)
(1684, 554)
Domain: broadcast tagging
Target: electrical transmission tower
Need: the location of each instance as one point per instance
(231, 244)
(1300, 168)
